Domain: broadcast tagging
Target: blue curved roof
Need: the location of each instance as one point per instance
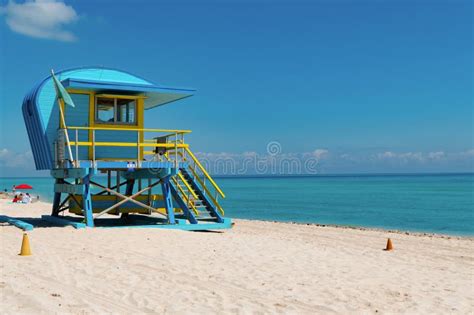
(41, 113)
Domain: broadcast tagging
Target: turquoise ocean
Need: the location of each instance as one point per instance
(423, 203)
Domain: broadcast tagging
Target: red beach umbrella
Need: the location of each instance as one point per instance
(23, 186)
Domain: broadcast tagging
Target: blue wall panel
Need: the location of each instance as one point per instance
(116, 152)
(79, 117)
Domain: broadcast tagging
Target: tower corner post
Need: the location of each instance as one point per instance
(57, 198)
(168, 199)
(87, 200)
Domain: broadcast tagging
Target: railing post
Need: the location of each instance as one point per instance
(176, 150)
(109, 180)
(182, 142)
(189, 199)
(77, 148)
(93, 147)
(138, 149)
(204, 183)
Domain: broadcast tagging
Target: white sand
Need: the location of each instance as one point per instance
(257, 267)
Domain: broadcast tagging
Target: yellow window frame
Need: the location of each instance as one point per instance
(140, 102)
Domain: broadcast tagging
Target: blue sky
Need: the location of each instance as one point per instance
(366, 86)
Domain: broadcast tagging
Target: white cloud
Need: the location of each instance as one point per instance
(386, 155)
(249, 154)
(405, 156)
(13, 159)
(469, 152)
(320, 153)
(412, 156)
(40, 19)
(436, 155)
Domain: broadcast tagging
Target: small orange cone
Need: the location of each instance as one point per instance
(389, 245)
(25, 246)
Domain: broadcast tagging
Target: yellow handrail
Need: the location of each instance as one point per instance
(221, 210)
(209, 194)
(203, 170)
(172, 131)
(187, 185)
(193, 207)
(219, 207)
(129, 144)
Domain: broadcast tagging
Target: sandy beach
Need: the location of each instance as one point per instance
(255, 268)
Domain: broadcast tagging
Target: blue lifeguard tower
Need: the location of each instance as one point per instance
(105, 162)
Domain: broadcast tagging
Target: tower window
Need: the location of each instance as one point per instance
(115, 110)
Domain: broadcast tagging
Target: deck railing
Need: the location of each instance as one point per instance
(166, 134)
(174, 150)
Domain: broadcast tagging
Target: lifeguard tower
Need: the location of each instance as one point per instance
(106, 164)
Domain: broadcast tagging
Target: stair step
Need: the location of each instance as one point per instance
(205, 213)
(200, 204)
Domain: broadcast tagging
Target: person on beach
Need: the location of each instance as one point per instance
(16, 199)
(35, 199)
(26, 198)
(13, 189)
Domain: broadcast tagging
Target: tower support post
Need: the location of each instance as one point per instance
(57, 199)
(87, 200)
(168, 200)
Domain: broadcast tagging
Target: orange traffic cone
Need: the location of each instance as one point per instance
(25, 246)
(389, 245)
